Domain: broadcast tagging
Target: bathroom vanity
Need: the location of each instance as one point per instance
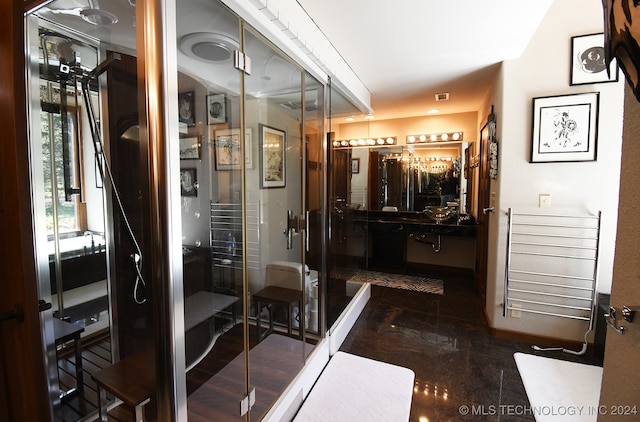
(436, 236)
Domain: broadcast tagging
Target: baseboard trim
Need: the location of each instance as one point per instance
(539, 340)
(348, 318)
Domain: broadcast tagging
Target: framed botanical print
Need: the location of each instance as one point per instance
(228, 151)
(231, 137)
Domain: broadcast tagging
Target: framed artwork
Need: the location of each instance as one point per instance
(228, 150)
(588, 65)
(190, 148)
(355, 165)
(216, 109)
(272, 157)
(188, 182)
(229, 157)
(186, 109)
(565, 128)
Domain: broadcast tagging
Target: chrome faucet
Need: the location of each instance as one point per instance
(93, 244)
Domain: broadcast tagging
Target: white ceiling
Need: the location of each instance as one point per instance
(406, 51)
(403, 51)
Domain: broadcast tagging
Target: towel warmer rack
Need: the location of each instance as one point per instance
(552, 264)
(227, 218)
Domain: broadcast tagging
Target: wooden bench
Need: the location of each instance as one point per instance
(203, 305)
(132, 379)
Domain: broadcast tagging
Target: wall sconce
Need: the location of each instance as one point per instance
(434, 137)
(368, 142)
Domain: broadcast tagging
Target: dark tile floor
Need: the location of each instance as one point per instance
(445, 340)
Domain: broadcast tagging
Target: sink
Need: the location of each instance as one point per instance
(440, 214)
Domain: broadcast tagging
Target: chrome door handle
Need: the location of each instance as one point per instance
(289, 231)
(487, 210)
(306, 230)
(295, 224)
(628, 312)
(16, 313)
(610, 319)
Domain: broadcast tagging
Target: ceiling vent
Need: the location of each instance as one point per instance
(443, 96)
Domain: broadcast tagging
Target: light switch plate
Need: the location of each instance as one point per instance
(545, 200)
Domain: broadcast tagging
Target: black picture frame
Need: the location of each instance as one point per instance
(273, 162)
(190, 148)
(186, 108)
(588, 64)
(355, 165)
(189, 182)
(565, 128)
(216, 109)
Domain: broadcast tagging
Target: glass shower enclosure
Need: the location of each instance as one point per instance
(181, 155)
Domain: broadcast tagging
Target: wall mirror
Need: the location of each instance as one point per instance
(402, 177)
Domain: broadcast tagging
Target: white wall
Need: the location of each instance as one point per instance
(583, 187)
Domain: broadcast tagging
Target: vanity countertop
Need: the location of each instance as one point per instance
(413, 222)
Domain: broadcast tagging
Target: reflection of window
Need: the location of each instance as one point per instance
(54, 135)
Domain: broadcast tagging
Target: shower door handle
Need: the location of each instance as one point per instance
(306, 230)
(289, 231)
(294, 225)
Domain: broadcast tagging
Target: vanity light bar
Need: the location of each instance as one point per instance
(434, 137)
(369, 142)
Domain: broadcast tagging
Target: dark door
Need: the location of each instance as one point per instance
(22, 371)
(484, 207)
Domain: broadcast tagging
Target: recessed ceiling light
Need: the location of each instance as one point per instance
(210, 47)
(350, 119)
(369, 116)
(98, 17)
(433, 111)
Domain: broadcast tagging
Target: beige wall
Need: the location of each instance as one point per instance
(582, 187)
(401, 128)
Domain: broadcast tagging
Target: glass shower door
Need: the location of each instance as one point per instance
(214, 250)
(278, 277)
(69, 219)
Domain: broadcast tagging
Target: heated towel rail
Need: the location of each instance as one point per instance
(552, 264)
(226, 235)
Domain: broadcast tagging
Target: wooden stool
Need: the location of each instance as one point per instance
(276, 296)
(131, 380)
(64, 332)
